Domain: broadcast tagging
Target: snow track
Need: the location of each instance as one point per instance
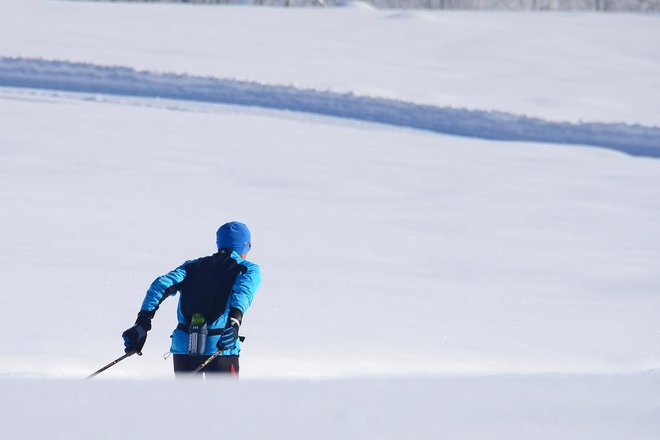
(124, 81)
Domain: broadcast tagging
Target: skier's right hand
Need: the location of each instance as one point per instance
(134, 339)
(136, 336)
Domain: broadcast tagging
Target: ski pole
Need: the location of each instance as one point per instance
(109, 365)
(206, 362)
(210, 359)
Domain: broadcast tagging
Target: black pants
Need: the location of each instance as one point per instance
(184, 364)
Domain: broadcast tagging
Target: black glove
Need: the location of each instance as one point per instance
(136, 336)
(229, 335)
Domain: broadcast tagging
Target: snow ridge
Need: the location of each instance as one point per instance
(115, 80)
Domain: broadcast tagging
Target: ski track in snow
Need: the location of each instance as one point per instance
(124, 81)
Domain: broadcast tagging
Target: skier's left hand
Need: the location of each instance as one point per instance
(229, 335)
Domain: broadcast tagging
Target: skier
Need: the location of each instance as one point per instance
(216, 291)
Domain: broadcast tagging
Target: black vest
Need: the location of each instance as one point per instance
(208, 285)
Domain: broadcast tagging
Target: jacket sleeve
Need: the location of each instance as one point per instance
(245, 287)
(162, 287)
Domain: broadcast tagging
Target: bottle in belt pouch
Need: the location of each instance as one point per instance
(197, 333)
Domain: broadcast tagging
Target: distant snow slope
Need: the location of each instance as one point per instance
(83, 77)
(558, 66)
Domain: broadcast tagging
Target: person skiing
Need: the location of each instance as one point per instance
(216, 291)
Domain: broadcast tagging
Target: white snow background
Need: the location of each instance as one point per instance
(416, 284)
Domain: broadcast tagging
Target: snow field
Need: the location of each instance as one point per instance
(468, 408)
(416, 285)
(389, 251)
(557, 66)
(121, 81)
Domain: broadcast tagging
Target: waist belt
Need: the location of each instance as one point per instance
(212, 331)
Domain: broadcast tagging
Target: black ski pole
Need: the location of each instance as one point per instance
(206, 362)
(109, 365)
(210, 359)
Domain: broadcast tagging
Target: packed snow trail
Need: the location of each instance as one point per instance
(124, 81)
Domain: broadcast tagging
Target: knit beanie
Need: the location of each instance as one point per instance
(235, 236)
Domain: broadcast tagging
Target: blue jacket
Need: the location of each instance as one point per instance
(241, 297)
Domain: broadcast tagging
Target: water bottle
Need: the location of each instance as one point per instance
(197, 334)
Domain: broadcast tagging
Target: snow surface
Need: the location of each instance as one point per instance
(557, 66)
(84, 77)
(540, 408)
(495, 257)
(415, 284)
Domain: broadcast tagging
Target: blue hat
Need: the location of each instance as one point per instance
(234, 235)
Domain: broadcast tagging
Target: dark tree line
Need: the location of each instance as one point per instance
(512, 5)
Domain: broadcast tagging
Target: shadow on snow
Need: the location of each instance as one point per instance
(90, 78)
